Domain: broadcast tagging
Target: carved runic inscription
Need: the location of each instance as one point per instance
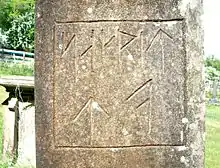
(124, 81)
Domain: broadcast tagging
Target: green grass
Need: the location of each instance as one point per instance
(212, 152)
(19, 69)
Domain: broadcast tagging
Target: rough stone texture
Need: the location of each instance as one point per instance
(8, 129)
(19, 121)
(119, 84)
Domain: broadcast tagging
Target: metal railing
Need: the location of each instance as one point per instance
(15, 56)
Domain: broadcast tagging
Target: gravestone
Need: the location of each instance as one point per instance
(119, 84)
(214, 99)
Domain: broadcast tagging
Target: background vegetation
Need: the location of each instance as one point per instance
(212, 68)
(212, 152)
(17, 24)
(18, 69)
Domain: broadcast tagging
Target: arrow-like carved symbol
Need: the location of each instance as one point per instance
(91, 105)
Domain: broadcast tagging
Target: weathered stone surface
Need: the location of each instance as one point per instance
(27, 138)
(19, 121)
(119, 84)
(8, 130)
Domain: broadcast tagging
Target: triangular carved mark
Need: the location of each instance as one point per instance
(155, 36)
(90, 104)
(82, 109)
(104, 110)
(128, 35)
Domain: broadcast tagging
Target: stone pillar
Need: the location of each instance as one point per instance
(119, 83)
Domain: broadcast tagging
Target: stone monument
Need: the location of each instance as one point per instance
(119, 84)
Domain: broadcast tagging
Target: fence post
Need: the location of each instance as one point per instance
(23, 56)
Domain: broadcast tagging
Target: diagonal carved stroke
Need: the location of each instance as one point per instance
(86, 51)
(138, 89)
(86, 105)
(126, 44)
(155, 36)
(105, 111)
(109, 41)
(128, 34)
(72, 38)
(82, 109)
(141, 104)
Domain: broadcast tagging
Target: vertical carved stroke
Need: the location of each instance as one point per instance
(62, 39)
(150, 113)
(119, 53)
(91, 121)
(162, 54)
(92, 55)
(142, 46)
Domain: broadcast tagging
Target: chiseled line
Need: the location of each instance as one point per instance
(83, 108)
(147, 99)
(109, 41)
(138, 89)
(86, 50)
(126, 44)
(123, 20)
(166, 34)
(151, 42)
(120, 147)
(155, 36)
(127, 34)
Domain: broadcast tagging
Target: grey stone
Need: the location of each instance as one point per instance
(119, 84)
(214, 99)
(19, 121)
(26, 143)
(8, 130)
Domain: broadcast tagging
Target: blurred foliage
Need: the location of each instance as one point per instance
(212, 68)
(5, 10)
(17, 23)
(3, 39)
(212, 61)
(21, 35)
(212, 73)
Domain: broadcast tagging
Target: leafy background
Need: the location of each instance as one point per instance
(17, 24)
